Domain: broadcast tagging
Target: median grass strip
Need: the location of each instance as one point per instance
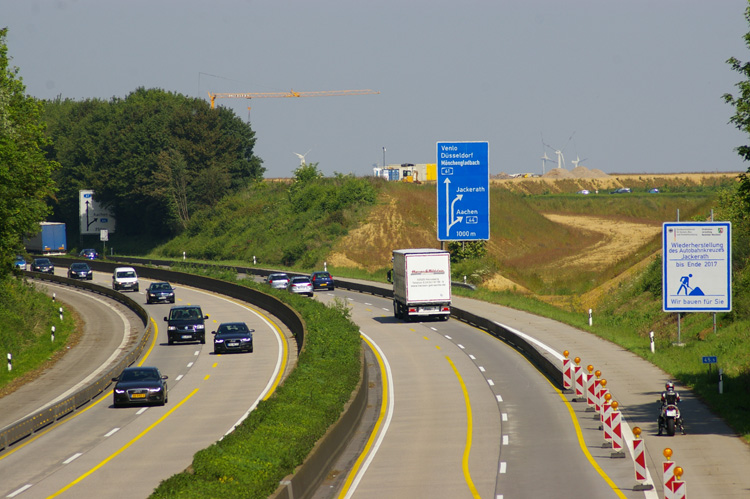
(280, 433)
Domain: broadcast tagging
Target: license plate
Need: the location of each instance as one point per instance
(671, 413)
(430, 309)
(187, 336)
(233, 344)
(138, 396)
(323, 284)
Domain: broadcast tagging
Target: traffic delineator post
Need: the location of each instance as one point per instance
(679, 489)
(590, 395)
(597, 389)
(606, 426)
(578, 378)
(668, 468)
(639, 460)
(567, 373)
(616, 427)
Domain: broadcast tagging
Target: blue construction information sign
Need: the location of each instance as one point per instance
(463, 191)
(697, 267)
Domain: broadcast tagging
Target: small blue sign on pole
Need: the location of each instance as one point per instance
(463, 191)
(709, 360)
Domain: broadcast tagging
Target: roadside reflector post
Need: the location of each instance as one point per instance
(325, 266)
(54, 296)
(567, 373)
(183, 256)
(616, 425)
(10, 362)
(254, 260)
(591, 320)
(53, 333)
(639, 460)
(651, 335)
(61, 313)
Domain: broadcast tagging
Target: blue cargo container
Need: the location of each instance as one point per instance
(51, 239)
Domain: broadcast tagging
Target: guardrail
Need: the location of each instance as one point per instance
(26, 427)
(308, 476)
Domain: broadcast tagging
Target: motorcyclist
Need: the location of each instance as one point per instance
(669, 396)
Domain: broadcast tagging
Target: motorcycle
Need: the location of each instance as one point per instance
(669, 415)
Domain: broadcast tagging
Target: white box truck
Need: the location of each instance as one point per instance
(421, 283)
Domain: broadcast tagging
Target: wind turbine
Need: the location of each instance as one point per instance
(545, 158)
(577, 160)
(302, 157)
(559, 152)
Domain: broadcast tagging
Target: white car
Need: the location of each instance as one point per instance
(301, 285)
(124, 278)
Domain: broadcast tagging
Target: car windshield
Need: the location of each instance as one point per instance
(79, 266)
(126, 273)
(185, 313)
(277, 277)
(161, 286)
(300, 280)
(139, 375)
(42, 261)
(232, 328)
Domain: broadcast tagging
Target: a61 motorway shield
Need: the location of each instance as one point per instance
(463, 194)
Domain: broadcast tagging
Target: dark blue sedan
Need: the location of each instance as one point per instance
(140, 385)
(233, 337)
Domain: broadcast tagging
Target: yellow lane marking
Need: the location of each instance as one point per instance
(579, 433)
(378, 423)
(124, 447)
(79, 412)
(469, 430)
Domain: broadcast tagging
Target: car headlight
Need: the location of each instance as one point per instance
(200, 326)
(119, 391)
(171, 328)
(218, 340)
(154, 390)
(246, 340)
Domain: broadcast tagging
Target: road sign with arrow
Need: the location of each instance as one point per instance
(463, 193)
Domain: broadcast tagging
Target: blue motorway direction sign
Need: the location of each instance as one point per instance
(697, 267)
(463, 191)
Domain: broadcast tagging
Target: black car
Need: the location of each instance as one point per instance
(186, 323)
(233, 337)
(80, 270)
(89, 253)
(321, 280)
(160, 292)
(621, 190)
(140, 385)
(42, 265)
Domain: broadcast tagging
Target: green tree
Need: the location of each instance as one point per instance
(25, 174)
(154, 157)
(741, 117)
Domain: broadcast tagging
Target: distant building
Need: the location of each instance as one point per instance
(408, 172)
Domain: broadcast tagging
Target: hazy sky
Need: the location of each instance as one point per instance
(637, 83)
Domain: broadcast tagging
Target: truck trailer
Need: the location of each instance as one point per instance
(50, 240)
(421, 284)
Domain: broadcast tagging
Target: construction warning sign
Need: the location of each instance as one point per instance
(697, 266)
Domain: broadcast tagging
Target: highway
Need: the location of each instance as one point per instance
(465, 416)
(106, 452)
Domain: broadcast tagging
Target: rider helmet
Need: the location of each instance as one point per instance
(669, 386)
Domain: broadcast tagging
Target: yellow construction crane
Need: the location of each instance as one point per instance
(291, 93)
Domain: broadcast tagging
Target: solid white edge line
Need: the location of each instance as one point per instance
(627, 432)
(386, 423)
